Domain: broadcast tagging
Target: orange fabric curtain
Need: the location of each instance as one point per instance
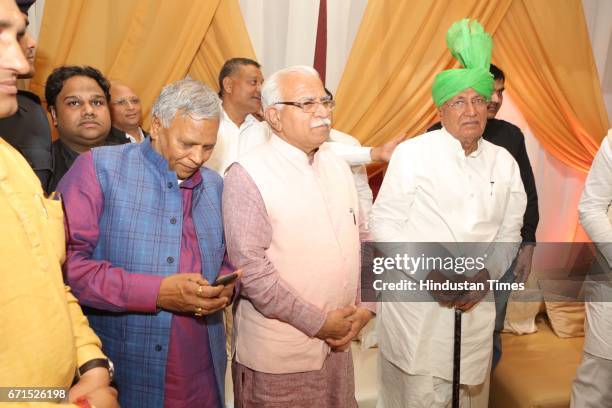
(226, 38)
(143, 43)
(400, 47)
(552, 77)
(386, 86)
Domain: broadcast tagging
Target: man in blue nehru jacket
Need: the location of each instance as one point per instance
(145, 244)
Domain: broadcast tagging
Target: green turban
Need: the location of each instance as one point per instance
(471, 45)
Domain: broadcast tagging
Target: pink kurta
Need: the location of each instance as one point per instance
(313, 211)
(292, 225)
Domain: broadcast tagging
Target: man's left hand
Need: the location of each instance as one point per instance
(95, 379)
(524, 260)
(359, 319)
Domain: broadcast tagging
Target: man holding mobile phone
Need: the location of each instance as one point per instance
(145, 247)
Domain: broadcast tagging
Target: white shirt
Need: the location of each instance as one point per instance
(596, 218)
(433, 192)
(596, 199)
(232, 142)
(133, 139)
(342, 145)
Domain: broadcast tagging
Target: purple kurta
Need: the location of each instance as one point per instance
(190, 380)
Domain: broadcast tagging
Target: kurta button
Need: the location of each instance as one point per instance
(158, 347)
(173, 220)
(170, 184)
(170, 259)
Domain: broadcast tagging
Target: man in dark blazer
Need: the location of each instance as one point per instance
(78, 99)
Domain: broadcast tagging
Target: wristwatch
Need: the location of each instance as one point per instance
(97, 362)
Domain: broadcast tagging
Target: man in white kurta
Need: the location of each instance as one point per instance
(292, 223)
(591, 387)
(447, 186)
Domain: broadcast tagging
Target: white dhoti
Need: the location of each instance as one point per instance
(398, 389)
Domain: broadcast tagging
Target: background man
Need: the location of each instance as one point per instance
(591, 387)
(291, 218)
(448, 185)
(77, 98)
(28, 129)
(126, 112)
(240, 81)
(45, 339)
(144, 249)
(511, 138)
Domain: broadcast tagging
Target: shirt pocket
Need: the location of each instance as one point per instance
(495, 201)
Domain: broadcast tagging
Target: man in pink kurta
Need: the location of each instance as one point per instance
(291, 218)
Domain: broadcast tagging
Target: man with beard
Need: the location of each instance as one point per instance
(77, 98)
(45, 341)
(28, 129)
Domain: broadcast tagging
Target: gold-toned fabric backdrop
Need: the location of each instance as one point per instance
(545, 49)
(143, 43)
(386, 86)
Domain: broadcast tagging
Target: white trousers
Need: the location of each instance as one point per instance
(592, 387)
(399, 389)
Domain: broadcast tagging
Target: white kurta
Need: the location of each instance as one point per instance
(594, 209)
(432, 192)
(341, 142)
(231, 143)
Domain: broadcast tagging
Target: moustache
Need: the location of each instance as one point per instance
(320, 122)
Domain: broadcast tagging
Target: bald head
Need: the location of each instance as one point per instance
(125, 108)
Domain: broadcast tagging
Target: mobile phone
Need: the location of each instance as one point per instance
(226, 279)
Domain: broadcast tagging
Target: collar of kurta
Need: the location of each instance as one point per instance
(167, 176)
(248, 120)
(455, 145)
(296, 156)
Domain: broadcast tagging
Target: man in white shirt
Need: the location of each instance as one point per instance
(126, 112)
(240, 81)
(448, 186)
(591, 387)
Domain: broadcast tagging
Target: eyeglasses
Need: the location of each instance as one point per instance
(310, 105)
(461, 105)
(124, 102)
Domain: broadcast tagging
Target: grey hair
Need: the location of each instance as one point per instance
(187, 97)
(271, 92)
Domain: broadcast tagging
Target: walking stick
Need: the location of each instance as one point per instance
(457, 358)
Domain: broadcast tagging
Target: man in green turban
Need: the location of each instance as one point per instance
(448, 186)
